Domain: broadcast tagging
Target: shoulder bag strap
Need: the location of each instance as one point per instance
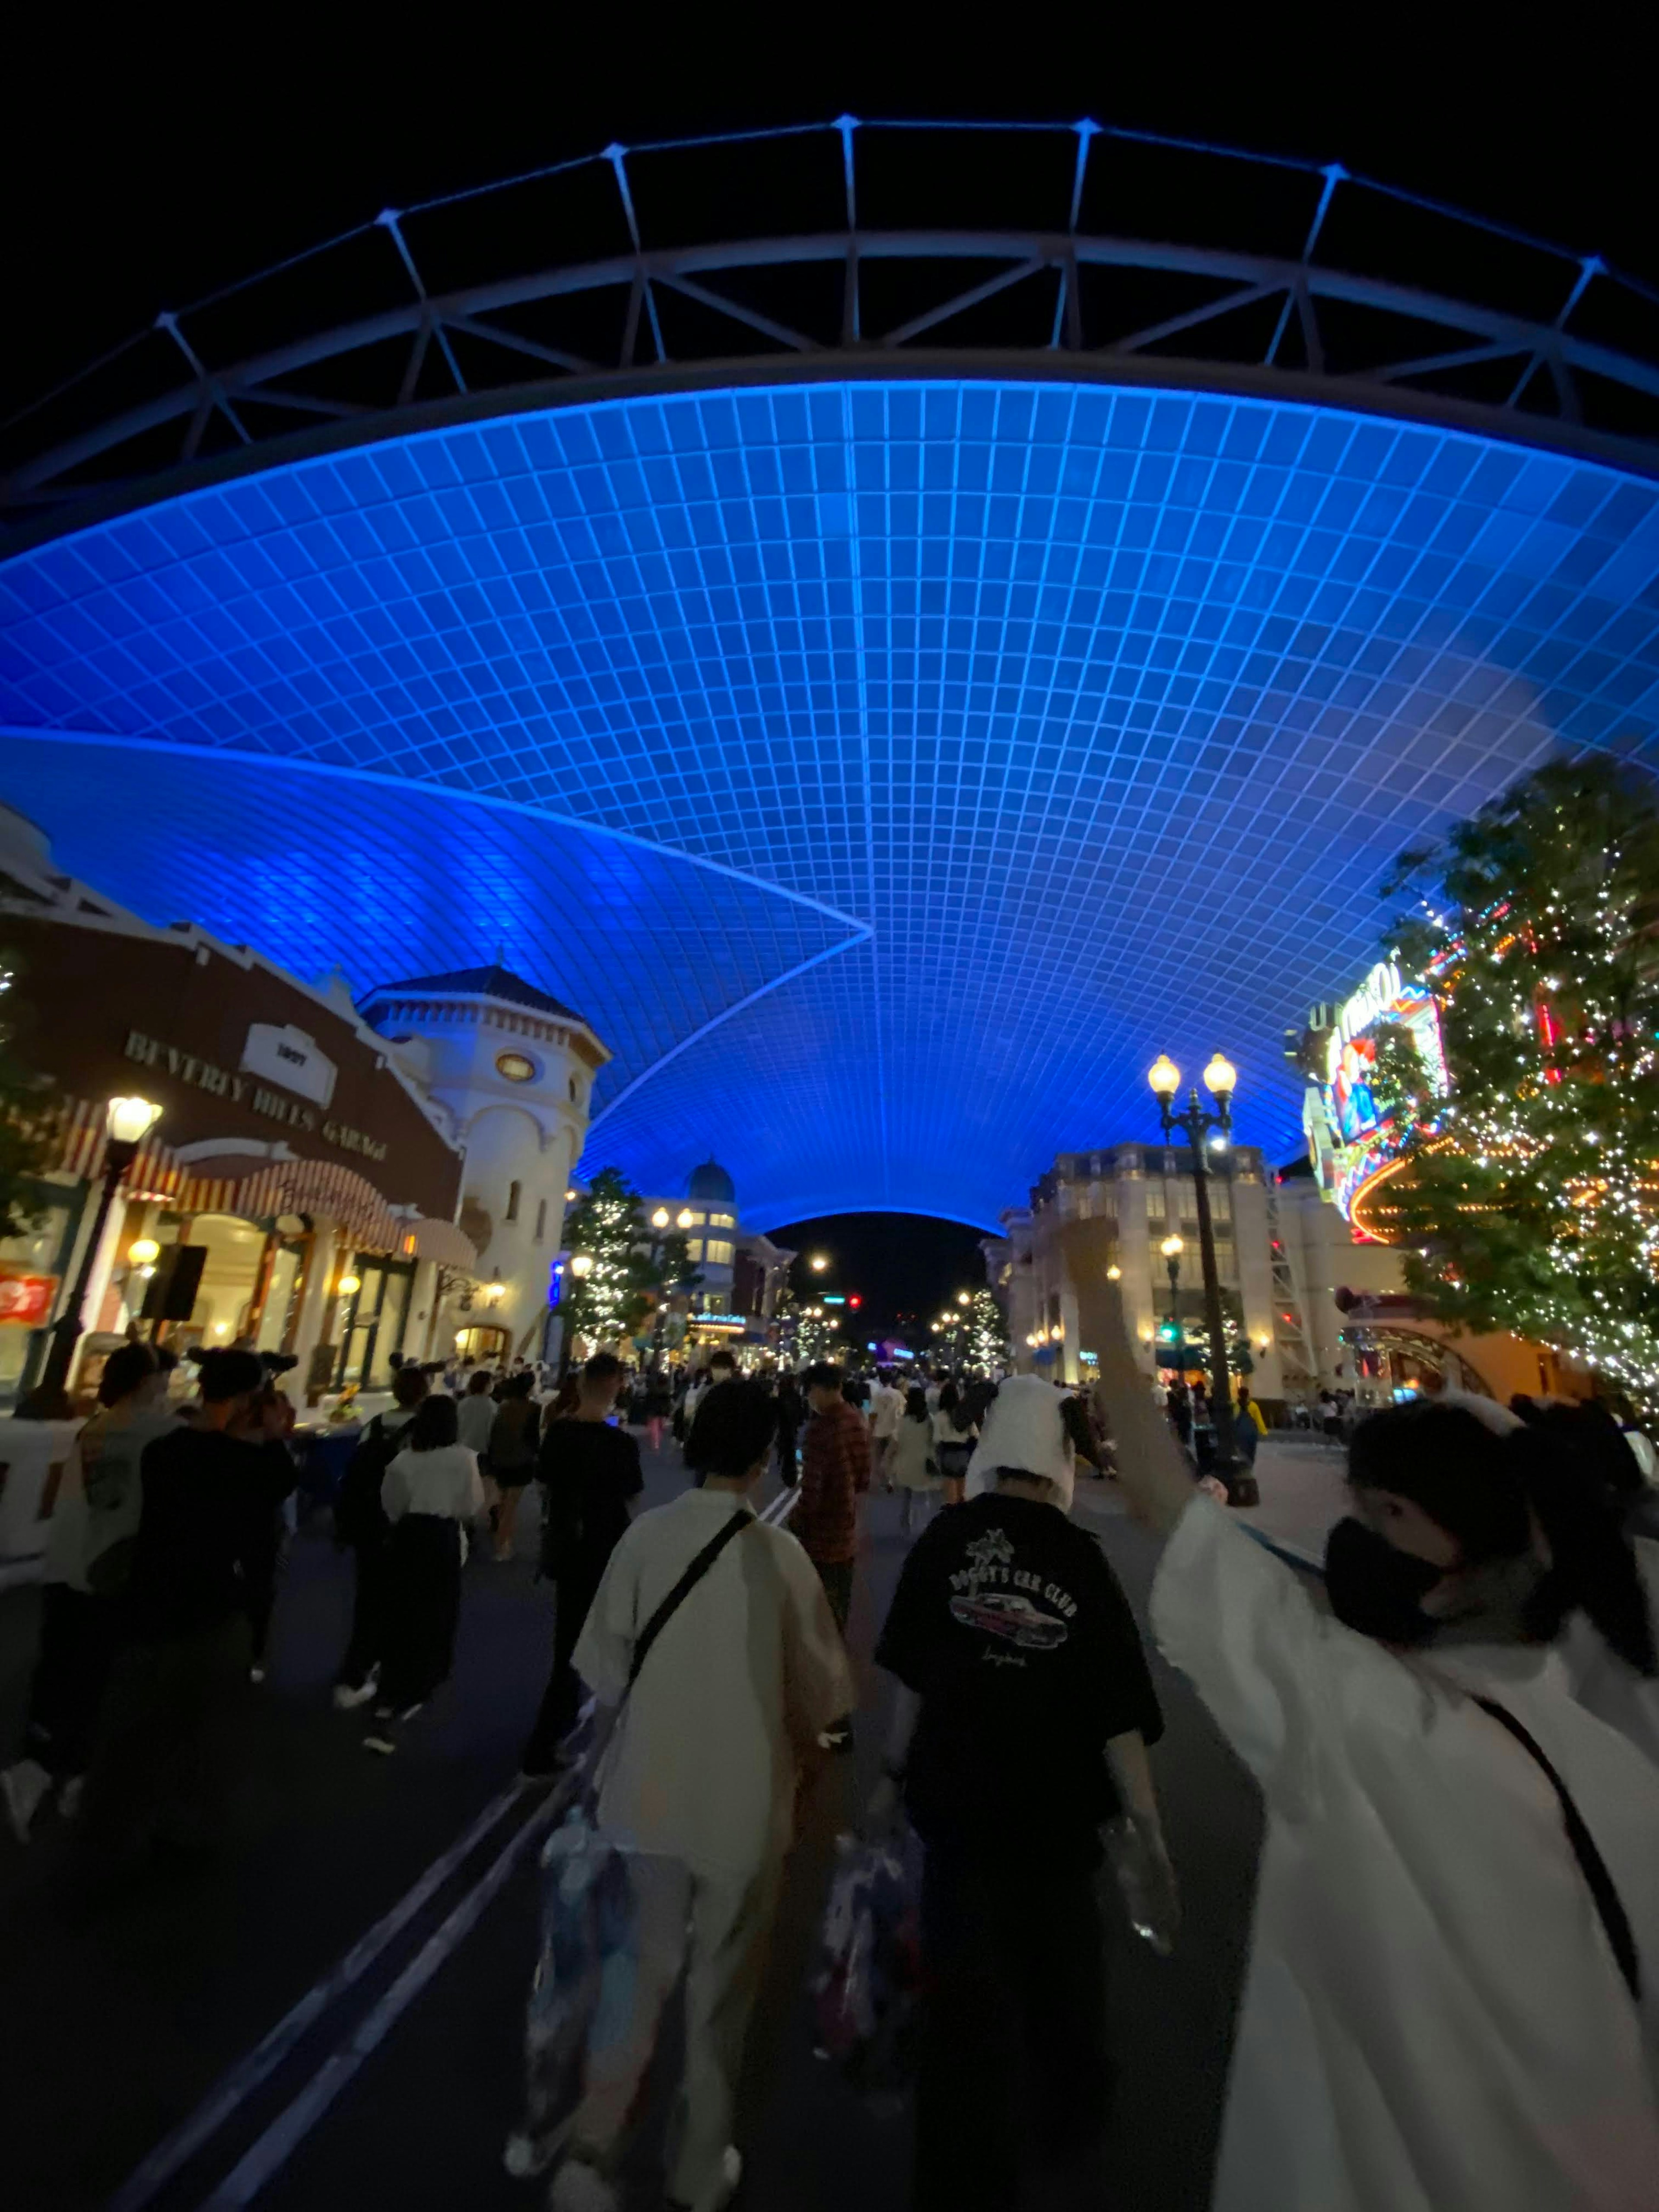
(683, 1590)
(1591, 1864)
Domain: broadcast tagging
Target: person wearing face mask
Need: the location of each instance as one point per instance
(1024, 1711)
(1455, 1961)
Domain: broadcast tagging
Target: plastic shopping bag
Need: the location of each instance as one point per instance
(866, 1990)
(585, 1966)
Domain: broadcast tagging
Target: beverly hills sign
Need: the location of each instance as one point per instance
(246, 1090)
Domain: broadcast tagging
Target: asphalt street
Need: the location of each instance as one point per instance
(400, 2079)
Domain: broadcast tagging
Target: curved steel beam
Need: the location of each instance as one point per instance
(1244, 279)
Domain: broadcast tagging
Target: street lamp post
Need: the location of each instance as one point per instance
(581, 1266)
(1196, 1125)
(127, 1122)
(1172, 1249)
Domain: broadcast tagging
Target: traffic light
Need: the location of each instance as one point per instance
(854, 1301)
(1169, 1332)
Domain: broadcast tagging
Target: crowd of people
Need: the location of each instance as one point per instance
(1458, 1737)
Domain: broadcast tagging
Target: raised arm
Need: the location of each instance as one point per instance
(1150, 1469)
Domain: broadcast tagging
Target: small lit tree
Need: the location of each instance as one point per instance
(629, 1270)
(24, 1149)
(985, 1344)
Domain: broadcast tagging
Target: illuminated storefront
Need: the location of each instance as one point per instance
(1352, 1136)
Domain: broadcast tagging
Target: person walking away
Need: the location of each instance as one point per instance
(658, 1405)
(693, 1395)
(429, 1492)
(911, 1464)
(513, 1435)
(835, 1473)
(698, 1772)
(475, 1414)
(886, 1407)
(1025, 1708)
(162, 1760)
(954, 1437)
(722, 1369)
(94, 1523)
(590, 1476)
(1451, 1991)
(791, 1411)
(360, 1523)
(267, 1427)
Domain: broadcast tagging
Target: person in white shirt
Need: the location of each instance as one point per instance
(430, 1491)
(1452, 1993)
(697, 1778)
(476, 1412)
(886, 1406)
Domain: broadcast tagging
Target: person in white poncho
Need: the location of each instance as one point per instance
(1450, 2004)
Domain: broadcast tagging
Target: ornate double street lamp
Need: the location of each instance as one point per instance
(1204, 1132)
(1172, 1249)
(127, 1122)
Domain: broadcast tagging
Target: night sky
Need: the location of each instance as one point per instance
(155, 161)
(905, 1267)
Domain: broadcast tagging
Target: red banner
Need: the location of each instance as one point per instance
(27, 1300)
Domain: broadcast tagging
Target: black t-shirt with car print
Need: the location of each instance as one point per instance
(1014, 1632)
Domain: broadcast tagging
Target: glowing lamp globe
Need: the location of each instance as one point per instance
(143, 1251)
(1221, 1077)
(129, 1121)
(1171, 1248)
(1165, 1076)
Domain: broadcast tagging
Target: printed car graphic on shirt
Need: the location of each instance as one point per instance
(1012, 1618)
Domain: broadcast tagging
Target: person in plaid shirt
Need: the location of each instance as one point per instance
(835, 1472)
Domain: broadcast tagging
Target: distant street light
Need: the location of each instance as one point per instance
(661, 1217)
(963, 1298)
(1196, 1124)
(818, 1262)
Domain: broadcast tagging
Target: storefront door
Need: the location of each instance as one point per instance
(374, 1328)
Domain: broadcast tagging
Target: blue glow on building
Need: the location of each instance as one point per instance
(887, 770)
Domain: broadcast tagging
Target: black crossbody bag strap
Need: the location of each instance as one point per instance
(1591, 1864)
(683, 1590)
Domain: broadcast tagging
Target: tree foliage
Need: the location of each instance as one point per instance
(985, 1344)
(24, 1148)
(632, 1268)
(1530, 1196)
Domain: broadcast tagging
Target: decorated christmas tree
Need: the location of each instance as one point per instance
(629, 1269)
(1528, 1195)
(985, 1337)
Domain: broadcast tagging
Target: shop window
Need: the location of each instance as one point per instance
(718, 1251)
(513, 1189)
(722, 1221)
(694, 1248)
(541, 1219)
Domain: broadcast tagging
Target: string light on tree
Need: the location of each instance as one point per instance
(1530, 1197)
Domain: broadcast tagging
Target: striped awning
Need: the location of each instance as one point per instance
(315, 1187)
(443, 1241)
(80, 1138)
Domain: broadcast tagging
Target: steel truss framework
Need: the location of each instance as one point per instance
(1516, 336)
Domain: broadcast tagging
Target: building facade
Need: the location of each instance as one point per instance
(742, 1271)
(297, 1194)
(511, 1071)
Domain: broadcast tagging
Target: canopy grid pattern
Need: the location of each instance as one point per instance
(1086, 721)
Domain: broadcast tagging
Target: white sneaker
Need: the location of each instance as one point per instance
(724, 2187)
(256, 1673)
(25, 1785)
(579, 2187)
(346, 1700)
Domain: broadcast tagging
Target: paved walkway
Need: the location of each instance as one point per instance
(113, 2035)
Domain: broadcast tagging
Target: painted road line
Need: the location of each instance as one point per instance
(265, 2158)
(232, 2089)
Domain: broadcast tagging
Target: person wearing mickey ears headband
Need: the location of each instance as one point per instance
(1452, 1992)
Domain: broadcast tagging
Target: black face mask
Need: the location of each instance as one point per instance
(1374, 1588)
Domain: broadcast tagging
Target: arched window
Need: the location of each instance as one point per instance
(573, 1099)
(512, 1201)
(541, 1219)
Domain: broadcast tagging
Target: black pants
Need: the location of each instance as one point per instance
(367, 1648)
(837, 1576)
(77, 1648)
(574, 1585)
(164, 1759)
(422, 1608)
(1014, 2060)
(262, 1565)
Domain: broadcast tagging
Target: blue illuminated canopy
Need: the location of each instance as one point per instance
(888, 766)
